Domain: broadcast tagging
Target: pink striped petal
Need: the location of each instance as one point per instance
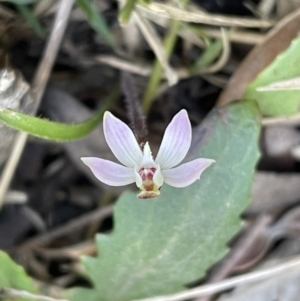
(187, 173)
(176, 141)
(109, 172)
(121, 141)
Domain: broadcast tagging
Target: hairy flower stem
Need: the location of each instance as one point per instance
(134, 110)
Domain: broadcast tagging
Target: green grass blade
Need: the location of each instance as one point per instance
(56, 131)
(32, 20)
(209, 56)
(126, 11)
(97, 21)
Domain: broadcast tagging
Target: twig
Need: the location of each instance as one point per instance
(9, 293)
(38, 86)
(73, 225)
(289, 266)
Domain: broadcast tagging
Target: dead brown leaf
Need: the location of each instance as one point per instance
(276, 41)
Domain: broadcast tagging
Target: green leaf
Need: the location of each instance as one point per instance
(285, 66)
(96, 20)
(13, 275)
(46, 129)
(160, 245)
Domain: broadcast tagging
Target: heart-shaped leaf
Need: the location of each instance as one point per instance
(277, 103)
(160, 245)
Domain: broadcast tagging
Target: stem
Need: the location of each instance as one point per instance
(169, 43)
(155, 77)
(126, 11)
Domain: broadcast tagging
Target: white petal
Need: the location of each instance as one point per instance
(176, 141)
(138, 179)
(187, 173)
(147, 161)
(110, 172)
(121, 141)
(158, 178)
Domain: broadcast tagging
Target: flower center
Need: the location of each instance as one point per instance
(147, 173)
(149, 189)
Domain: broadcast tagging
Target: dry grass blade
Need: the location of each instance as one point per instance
(38, 86)
(154, 41)
(9, 293)
(239, 36)
(220, 63)
(7, 13)
(164, 22)
(45, 8)
(122, 64)
(172, 12)
(265, 7)
(73, 225)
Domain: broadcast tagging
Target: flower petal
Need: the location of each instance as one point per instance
(187, 173)
(121, 141)
(176, 141)
(138, 179)
(158, 178)
(110, 172)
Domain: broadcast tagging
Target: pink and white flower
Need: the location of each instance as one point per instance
(139, 165)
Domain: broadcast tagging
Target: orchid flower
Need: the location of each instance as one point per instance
(139, 165)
